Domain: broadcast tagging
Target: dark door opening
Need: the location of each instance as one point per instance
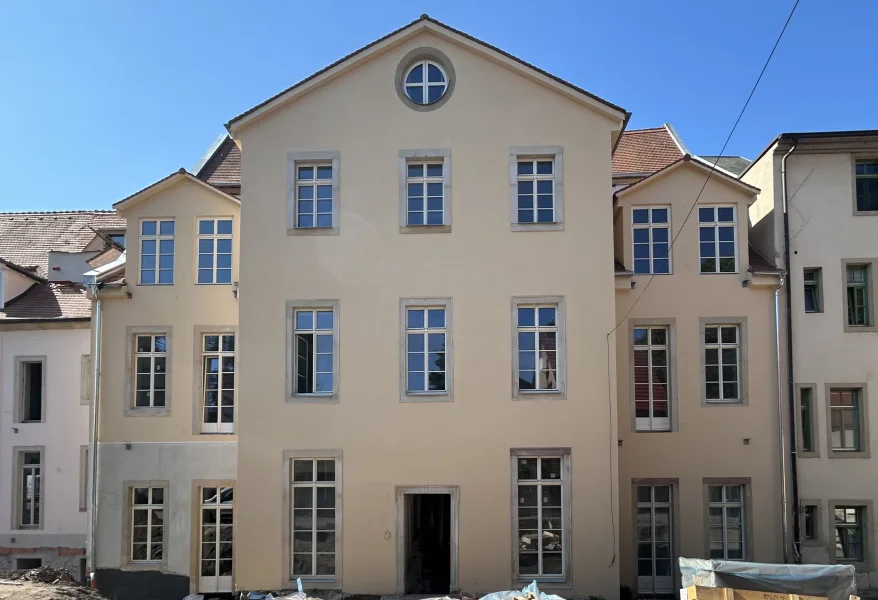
(428, 543)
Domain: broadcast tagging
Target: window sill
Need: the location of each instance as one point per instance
(425, 229)
(203, 284)
(426, 397)
(848, 453)
(865, 213)
(315, 583)
(718, 272)
(307, 231)
(559, 226)
(163, 411)
(539, 395)
(653, 431)
(313, 399)
(147, 566)
(861, 567)
(149, 285)
(553, 583)
(860, 328)
(706, 402)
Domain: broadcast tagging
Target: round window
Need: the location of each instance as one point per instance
(425, 82)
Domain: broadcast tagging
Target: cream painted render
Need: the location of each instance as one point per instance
(60, 538)
(707, 442)
(369, 267)
(825, 232)
(13, 283)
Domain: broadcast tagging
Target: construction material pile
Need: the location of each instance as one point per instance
(44, 583)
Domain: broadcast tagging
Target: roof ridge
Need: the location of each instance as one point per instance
(645, 129)
(58, 212)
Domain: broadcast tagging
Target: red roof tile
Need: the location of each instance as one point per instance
(223, 168)
(50, 301)
(642, 151)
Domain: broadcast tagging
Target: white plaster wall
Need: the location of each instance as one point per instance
(179, 464)
(70, 265)
(62, 434)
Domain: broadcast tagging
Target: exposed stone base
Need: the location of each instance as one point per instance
(57, 557)
(141, 585)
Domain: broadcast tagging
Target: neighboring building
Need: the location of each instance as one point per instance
(44, 377)
(832, 207)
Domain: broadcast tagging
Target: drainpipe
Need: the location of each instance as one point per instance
(780, 420)
(96, 371)
(791, 387)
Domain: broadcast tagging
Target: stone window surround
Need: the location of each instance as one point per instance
(818, 526)
(130, 342)
(869, 510)
(289, 368)
(676, 519)
(424, 53)
(18, 388)
(18, 453)
(743, 366)
(448, 394)
(199, 331)
(815, 431)
(286, 537)
(871, 287)
(854, 159)
(553, 581)
(294, 158)
(425, 154)
(748, 511)
(863, 409)
(556, 153)
(128, 495)
(86, 376)
(561, 349)
(195, 522)
(671, 324)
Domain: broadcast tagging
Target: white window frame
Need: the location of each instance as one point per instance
(425, 180)
(293, 308)
(666, 581)
(425, 84)
(425, 156)
(716, 225)
(159, 237)
(35, 493)
(566, 529)
(815, 283)
(536, 330)
(653, 423)
(724, 505)
(295, 160)
(535, 154)
(425, 304)
(719, 346)
(150, 508)
(222, 356)
(214, 254)
(314, 485)
(650, 228)
(220, 503)
(152, 355)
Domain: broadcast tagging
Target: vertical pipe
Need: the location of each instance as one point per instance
(780, 424)
(93, 453)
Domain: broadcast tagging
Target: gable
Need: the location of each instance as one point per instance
(172, 180)
(680, 184)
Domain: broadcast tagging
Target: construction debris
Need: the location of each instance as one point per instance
(44, 583)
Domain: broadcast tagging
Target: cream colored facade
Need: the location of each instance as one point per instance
(827, 233)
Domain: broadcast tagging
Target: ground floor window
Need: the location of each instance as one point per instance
(726, 521)
(147, 524)
(313, 493)
(850, 533)
(654, 523)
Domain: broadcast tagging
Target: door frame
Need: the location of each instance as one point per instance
(195, 536)
(401, 492)
(675, 525)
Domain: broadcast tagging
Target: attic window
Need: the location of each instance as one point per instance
(424, 79)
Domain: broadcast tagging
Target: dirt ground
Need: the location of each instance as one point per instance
(44, 583)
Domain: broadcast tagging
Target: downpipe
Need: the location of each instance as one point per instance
(93, 454)
(780, 423)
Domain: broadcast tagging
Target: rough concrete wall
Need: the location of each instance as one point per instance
(57, 558)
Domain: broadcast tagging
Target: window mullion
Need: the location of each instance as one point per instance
(539, 518)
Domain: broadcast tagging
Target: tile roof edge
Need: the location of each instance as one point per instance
(23, 270)
(211, 150)
(59, 212)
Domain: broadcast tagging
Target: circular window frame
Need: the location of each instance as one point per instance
(409, 61)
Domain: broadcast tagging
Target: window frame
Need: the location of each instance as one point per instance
(855, 160)
(291, 307)
(17, 504)
(426, 396)
(158, 237)
(566, 509)
(863, 410)
(434, 155)
(804, 505)
(128, 487)
(419, 55)
(20, 387)
(867, 507)
(199, 332)
(813, 452)
(323, 581)
(671, 326)
(649, 226)
(83, 478)
(746, 503)
(215, 237)
(716, 241)
(554, 153)
(868, 263)
(743, 365)
(674, 484)
(560, 348)
(817, 284)
(296, 159)
(131, 409)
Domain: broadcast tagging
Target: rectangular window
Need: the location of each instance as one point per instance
(651, 239)
(150, 362)
(807, 416)
(810, 521)
(541, 516)
(157, 252)
(850, 534)
(718, 239)
(314, 184)
(813, 290)
(215, 251)
(536, 190)
(845, 420)
(30, 488)
(314, 517)
(147, 524)
(31, 393)
(858, 300)
(726, 520)
(537, 347)
(425, 349)
(867, 185)
(218, 384)
(425, 185)
(721, 363)
(313, 341)
(83, 478)
(655, 561)
(651, 379)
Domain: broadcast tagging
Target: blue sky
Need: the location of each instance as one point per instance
(102, 98)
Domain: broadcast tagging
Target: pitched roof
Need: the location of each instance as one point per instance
(759, 263)
(223, 166)
(644, 151)
(694, 161)
(27, 238)
(733, 164)
(50, 300)
(166, 182)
